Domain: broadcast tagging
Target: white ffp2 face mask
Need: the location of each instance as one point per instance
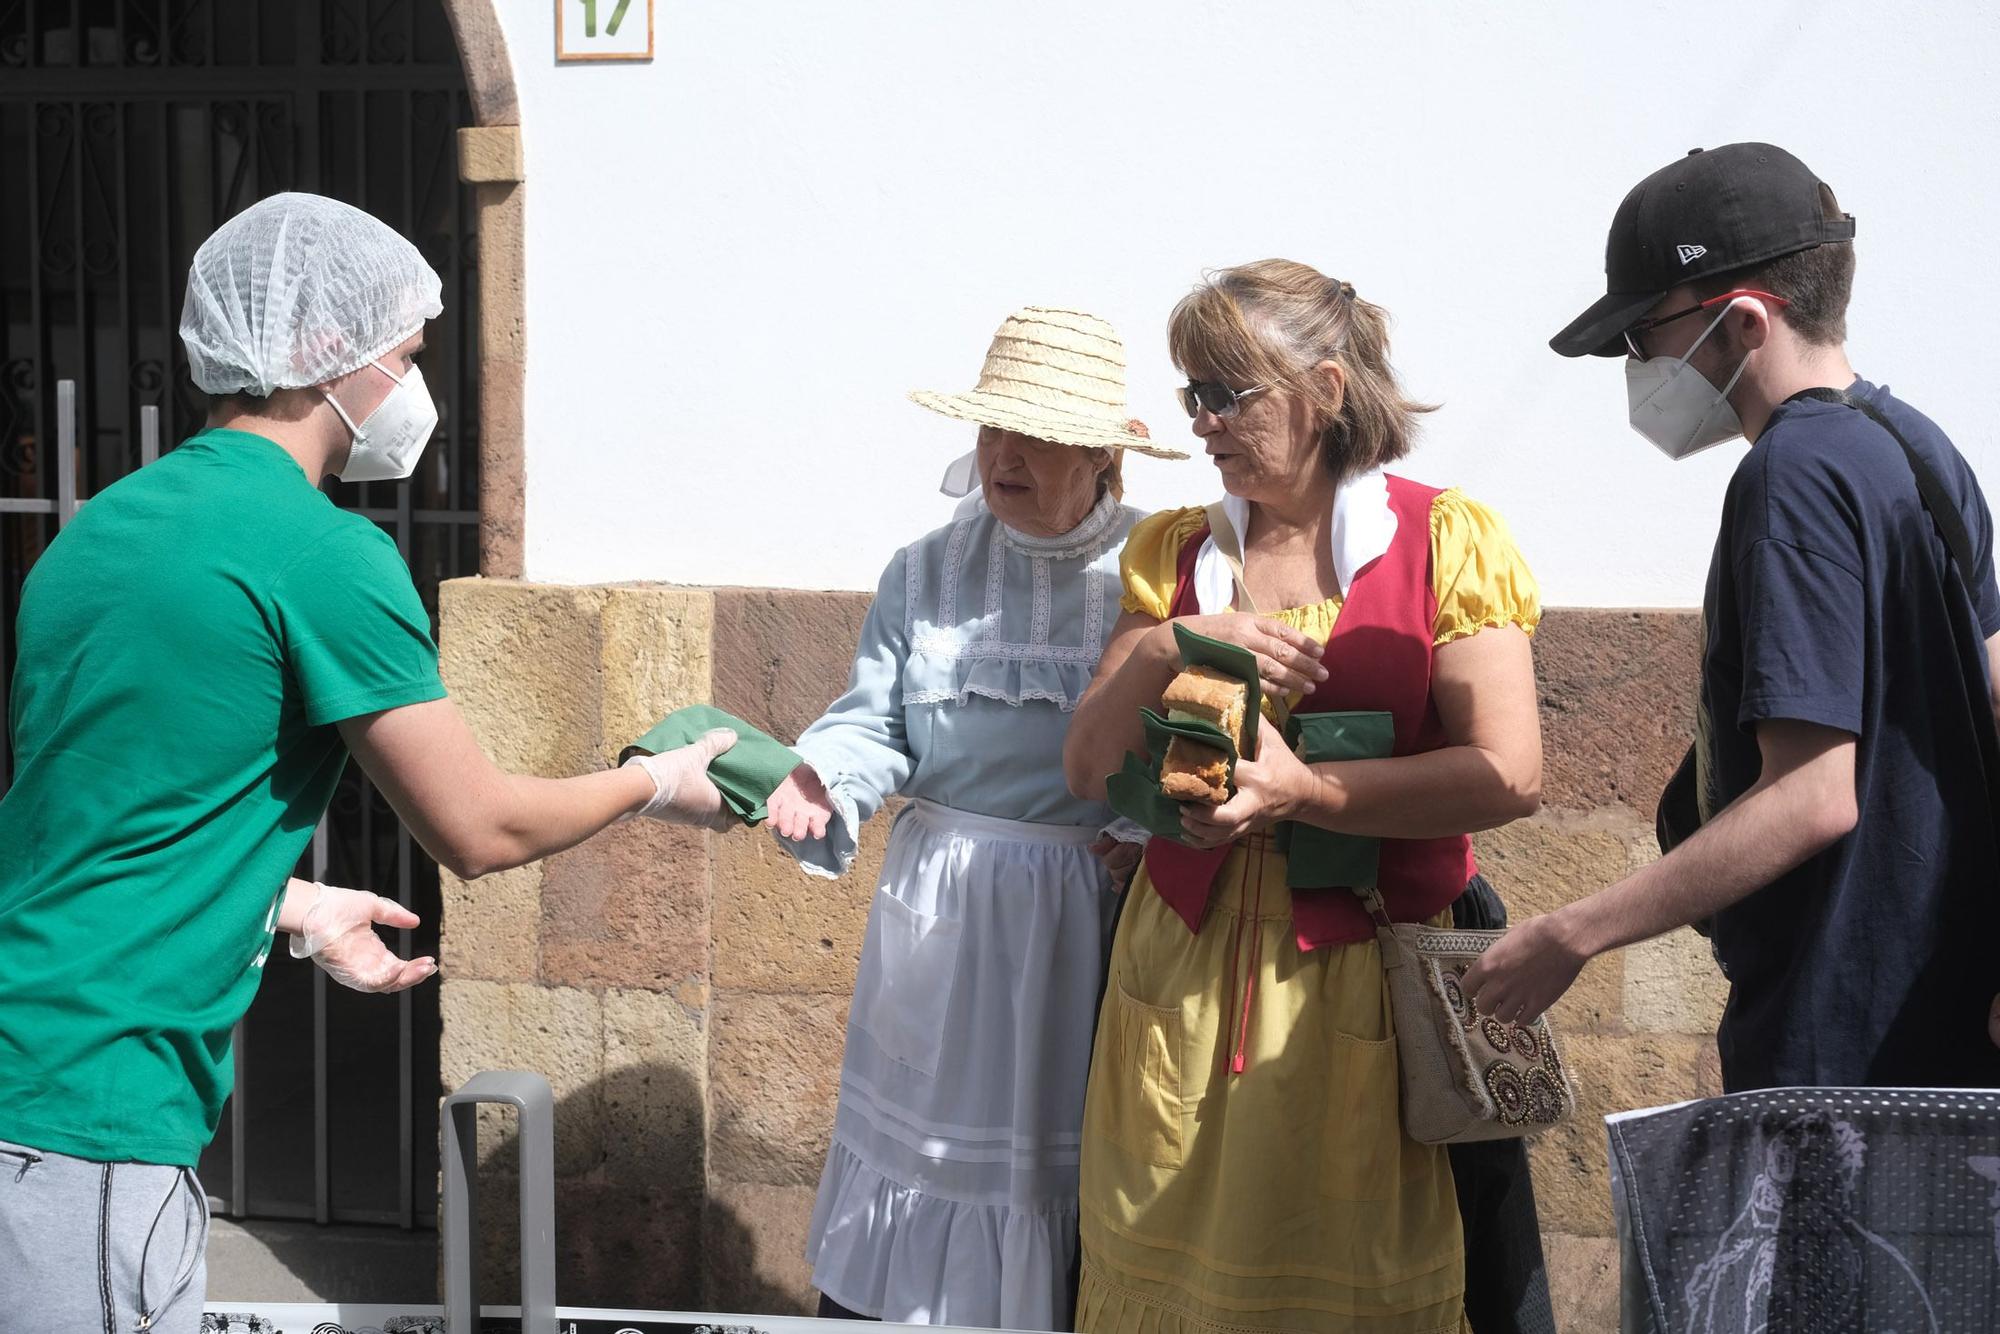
(387, 445)
(1675, 407)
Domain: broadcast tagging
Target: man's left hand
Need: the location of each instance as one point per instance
(1526, 971)
(338, 934)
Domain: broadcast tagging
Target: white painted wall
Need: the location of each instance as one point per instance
(741, 255)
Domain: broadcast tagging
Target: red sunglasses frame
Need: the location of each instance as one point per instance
(1633, 334)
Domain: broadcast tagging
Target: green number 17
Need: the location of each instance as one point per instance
(611, 28)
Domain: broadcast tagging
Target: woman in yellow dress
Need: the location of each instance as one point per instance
(1244, 1165)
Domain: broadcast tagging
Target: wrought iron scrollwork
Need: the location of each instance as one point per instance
(340, 33)
(188, 34)
(16, 50)
(388, 38)
(17, 436)
(142, 37)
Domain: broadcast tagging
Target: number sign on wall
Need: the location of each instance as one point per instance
(604, 30)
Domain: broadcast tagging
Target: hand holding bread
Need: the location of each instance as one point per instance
(1287, 659)
(1272, 785)
(1191, 771)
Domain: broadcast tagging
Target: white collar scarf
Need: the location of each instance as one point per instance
(1362, 529)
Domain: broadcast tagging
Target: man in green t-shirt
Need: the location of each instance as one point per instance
(200, 651)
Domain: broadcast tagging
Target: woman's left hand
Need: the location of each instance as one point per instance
(1269, 788)
(337, 932)
(1120, 859)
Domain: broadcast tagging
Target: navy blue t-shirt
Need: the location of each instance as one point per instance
(1832, 600)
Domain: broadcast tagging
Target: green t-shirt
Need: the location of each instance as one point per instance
(186, 645)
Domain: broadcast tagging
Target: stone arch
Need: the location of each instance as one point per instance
(489, 72)
(489, 159)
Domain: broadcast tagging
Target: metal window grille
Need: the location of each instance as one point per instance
(128, 130)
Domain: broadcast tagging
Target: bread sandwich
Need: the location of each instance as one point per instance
(1194, 772)
(1191, 771)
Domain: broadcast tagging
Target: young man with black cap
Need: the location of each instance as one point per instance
(1845, 862)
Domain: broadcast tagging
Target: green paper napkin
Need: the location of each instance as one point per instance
(1356, 734)
(746, 774)
(1161, 730)
(1317, 857)
(1134, 791)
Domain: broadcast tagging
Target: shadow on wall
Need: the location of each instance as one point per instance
(634, 1225)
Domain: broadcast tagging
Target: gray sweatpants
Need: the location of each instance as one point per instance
(90, 1247)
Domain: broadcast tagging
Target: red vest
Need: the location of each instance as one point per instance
(1379, 657)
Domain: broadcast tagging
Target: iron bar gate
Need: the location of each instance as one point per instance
(129, 129)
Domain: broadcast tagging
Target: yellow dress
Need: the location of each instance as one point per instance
(1284, 1197)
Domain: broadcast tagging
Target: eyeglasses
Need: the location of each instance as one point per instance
(1216, 396)
(1644, 327)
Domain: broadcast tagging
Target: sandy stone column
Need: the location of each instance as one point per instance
(593, 966)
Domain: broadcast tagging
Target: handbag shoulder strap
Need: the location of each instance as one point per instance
(1228, 545)
(1385, 928)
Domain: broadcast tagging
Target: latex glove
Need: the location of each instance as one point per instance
(338, 934)
(682, 792)
(800, 808)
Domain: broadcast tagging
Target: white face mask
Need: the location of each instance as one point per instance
(1673, 405)
(386, 446)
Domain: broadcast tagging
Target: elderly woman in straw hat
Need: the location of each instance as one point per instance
(1244, 1165)
(949, 1194)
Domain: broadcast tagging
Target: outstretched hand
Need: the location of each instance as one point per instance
(682, 790)
(1526, 971)
(338, 934)
(800, 809)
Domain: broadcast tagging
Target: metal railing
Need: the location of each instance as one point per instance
(64, 505)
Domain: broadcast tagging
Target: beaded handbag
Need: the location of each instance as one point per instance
(1465, 1076)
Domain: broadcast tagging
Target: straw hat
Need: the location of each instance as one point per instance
(1054, 375)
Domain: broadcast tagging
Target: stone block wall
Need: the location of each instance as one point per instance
(686, 993)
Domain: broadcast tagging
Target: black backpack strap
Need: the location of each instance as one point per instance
(1944, 510)
(1950, 523)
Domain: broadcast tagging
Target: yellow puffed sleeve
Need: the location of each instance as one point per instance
(1478, 574)
(1150, 562)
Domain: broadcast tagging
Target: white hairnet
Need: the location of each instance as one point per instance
(297, 290)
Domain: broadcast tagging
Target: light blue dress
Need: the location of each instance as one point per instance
(949, 1194)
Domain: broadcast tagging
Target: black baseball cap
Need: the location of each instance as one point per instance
(1703, 214)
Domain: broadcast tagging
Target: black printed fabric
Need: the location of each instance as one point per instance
(1806, 1211)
